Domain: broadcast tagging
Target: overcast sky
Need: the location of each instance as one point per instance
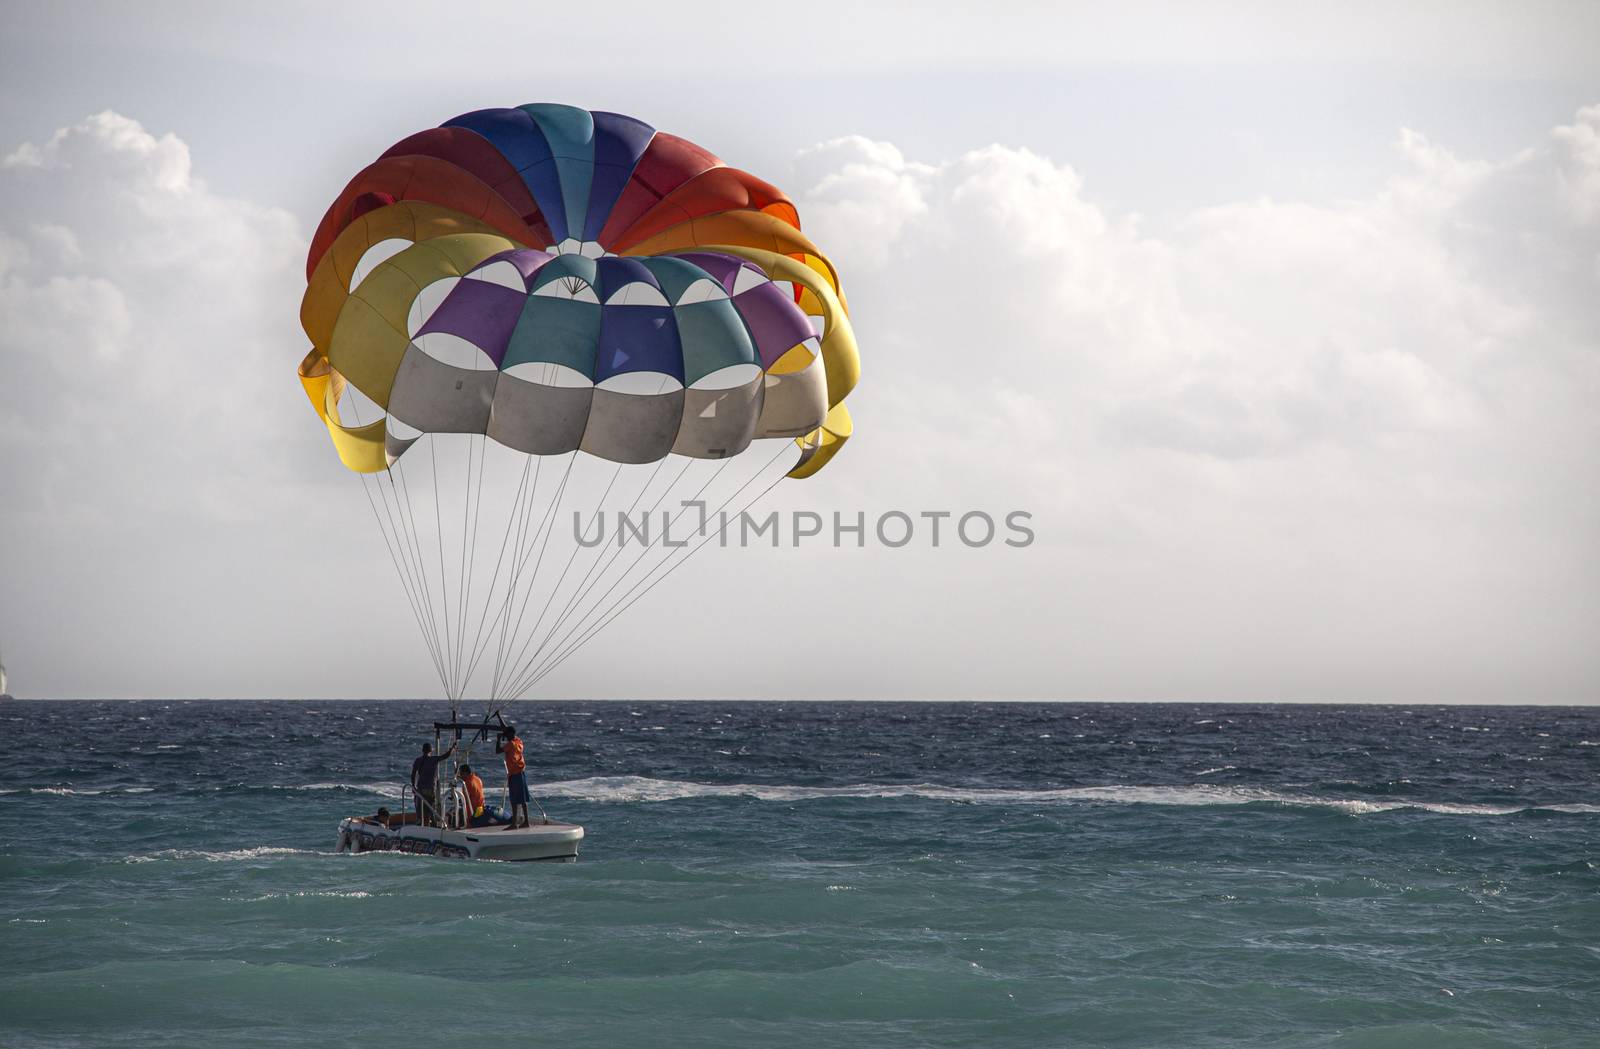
(1282, 325)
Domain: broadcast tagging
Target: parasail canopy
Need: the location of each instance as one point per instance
(535, 292)
(560, 280)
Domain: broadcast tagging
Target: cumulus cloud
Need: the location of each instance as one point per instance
(1248, 330)
(1579, 152)
(1394, 390)
(148, 424)
(109, 142)
(1275, 448)
(868, 187)
(144, 320)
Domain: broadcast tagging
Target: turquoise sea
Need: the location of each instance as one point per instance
(849, 874)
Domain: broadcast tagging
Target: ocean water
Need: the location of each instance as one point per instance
(882, 875)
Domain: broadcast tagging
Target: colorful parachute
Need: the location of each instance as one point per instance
(533, 292)
(557, 279)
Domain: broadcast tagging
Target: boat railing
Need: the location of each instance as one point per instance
(456, 808)
(455, 813)
(430, 815)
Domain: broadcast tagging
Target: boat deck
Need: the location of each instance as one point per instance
(540, 841)
(410, 823)
(505, 829)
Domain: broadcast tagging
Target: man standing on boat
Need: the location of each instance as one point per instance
(425, 783)
(516, 775)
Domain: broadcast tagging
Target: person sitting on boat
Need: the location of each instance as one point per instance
(425, 783)
(516, 776)
(470, 781)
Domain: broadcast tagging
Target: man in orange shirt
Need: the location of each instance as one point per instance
(516, 775)
(479, 815)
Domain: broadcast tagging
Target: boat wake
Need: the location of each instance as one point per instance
(645, 789)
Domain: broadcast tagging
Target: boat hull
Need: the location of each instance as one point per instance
(542, 841)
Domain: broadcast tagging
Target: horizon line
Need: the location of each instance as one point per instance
(1580, 704)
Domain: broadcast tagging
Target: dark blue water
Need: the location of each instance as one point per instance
(871, 874)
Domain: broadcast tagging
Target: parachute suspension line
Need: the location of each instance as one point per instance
(649, 585)
(407, 582)
(589, 584)
(458, 557)
(498, 619)
(410, 517)
(405, 544)
(527, 538)
(585, 585)
(366, 487)
(532, 660)
(611, 615)
(645, 552)
(469, 553)
(547, 526)
(444, 583)
(461, 570)
(599, 514)
(522, 660)
(494, 576)
(519, 561)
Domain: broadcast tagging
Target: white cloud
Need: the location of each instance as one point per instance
(1277, 449)
(1579, 152)
(152, 427)
(1250, 329)
(866, 187)
(60, 240)
(61, 317)
(107, 143)
(1359, 413)
(143, 313)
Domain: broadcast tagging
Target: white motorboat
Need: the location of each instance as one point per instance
(541, 841)
(450, 832)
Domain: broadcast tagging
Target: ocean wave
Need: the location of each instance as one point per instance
(258, 852)
(354, 894)
(645, 789)
(386, 789)
(71, 792)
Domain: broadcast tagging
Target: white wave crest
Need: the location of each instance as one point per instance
(258, 852)
(356, 894)
(390, 789)
(70, 792)
(645, 789)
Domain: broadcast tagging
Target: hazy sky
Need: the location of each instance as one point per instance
(1282, 323)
